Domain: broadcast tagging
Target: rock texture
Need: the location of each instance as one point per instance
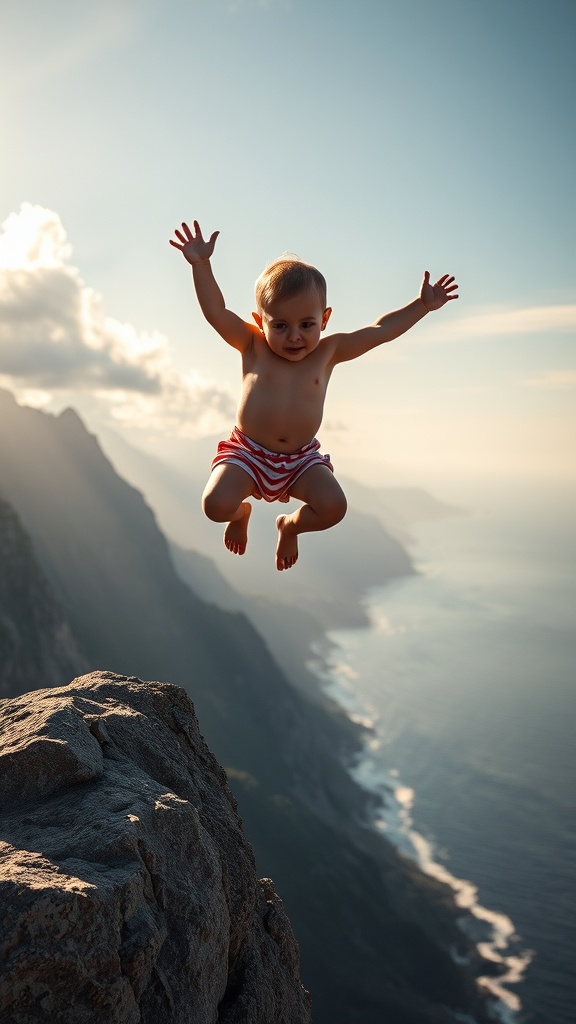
(128, 889)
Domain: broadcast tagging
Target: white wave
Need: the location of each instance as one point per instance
(493, 933)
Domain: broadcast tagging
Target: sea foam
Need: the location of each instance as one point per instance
(493, 933)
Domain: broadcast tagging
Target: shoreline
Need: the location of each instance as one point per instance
(388, 815)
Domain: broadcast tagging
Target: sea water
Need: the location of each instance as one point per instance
(468, 677)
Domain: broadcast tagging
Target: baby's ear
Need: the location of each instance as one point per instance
(326, 316)
(258, 319)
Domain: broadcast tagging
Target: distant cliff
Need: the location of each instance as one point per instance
(35, 639)
(129, 892)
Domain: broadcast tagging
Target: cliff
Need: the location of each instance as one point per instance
(35, 638)
(128, 888)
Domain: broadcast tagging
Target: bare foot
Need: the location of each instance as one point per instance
(287, 549)
(236, 533)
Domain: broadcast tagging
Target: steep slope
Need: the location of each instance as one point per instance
(35, 639)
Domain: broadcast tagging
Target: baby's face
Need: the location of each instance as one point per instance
(292, 327)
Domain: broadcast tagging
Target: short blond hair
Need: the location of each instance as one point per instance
(285, 277)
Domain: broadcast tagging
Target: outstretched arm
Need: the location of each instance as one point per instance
(197, 251)
(392, 325)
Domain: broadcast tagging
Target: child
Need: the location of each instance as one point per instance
(286, 365)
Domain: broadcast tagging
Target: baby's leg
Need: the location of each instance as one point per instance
(324, 506)
(223, 502)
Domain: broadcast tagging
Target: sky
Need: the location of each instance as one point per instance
(374, 139)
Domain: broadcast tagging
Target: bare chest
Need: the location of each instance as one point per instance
(304, 379)
(282, 401)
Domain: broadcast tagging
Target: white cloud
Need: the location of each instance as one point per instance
(527, 320)
(552, 380)
(33, 238)
(57, 338)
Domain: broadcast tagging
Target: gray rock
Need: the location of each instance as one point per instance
(129, 892)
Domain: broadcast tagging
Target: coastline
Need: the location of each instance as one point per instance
(476, 650)
(498, 960)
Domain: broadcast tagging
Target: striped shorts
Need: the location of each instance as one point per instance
(274, 473)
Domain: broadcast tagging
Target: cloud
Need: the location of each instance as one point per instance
(552, 380)
(527, 320)
(56, 337)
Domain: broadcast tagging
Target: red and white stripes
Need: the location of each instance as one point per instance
(273, 472)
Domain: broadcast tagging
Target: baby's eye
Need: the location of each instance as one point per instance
(279, 326)
(307, 324)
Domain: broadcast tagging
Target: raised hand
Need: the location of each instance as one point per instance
(193, 246)
(436, 295)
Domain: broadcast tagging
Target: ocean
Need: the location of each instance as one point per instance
(467, 676)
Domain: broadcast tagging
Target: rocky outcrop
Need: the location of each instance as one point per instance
(128, 889)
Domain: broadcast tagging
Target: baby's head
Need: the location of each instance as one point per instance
(292, 312)
(286, 277)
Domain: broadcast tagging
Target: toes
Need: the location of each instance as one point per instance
(287, 562)
(235, 547)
